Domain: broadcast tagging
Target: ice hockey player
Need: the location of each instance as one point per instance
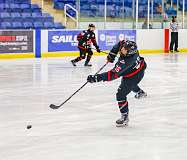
(85, 40)
(139, 93)
(130, 67)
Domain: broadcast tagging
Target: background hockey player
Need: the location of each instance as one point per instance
(130, 67)
(85, 40)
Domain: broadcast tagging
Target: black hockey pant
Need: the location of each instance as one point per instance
(127, 85)
(83, 55)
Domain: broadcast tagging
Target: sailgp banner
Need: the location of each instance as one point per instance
(62, 40)
(66, 40)
(108, 38)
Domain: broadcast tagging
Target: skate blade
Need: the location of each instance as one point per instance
(88, 65)
(122, 125)
(73, 64)
(144, 96)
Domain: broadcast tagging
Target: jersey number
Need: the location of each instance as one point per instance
(118, 68)
(137, 66)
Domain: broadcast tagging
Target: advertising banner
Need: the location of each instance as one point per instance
(16, 41)
(67, 40)
(63, 40)
(108, 38)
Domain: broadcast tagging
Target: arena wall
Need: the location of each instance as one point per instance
(59, 43)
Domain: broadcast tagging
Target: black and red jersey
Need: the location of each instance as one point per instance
(85, 39)
(126, 67)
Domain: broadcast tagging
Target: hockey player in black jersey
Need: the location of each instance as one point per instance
(130, 67)
(85, 39)
(139, 93)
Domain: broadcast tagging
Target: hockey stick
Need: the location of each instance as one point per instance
(100, 50)
(56, 107)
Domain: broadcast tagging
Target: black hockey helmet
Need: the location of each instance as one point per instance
(91, 25)
(130, 46)
(125, 44)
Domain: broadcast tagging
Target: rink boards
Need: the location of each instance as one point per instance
(59, 43)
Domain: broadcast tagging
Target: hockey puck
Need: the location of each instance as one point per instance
(29, 126)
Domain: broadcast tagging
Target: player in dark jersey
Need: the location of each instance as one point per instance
(130, 67)
(85, 39)
(139, 93)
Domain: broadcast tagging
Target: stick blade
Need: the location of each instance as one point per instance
(53, 106)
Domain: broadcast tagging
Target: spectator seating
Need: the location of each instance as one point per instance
(21, 14)
(95, 8)
(31, 25)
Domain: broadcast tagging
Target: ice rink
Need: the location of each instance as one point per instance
(84, 128)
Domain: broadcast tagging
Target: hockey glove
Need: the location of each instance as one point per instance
(98, 50)
(110, 58)
(94, 78)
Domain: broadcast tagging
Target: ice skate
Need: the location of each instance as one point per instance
(87, 65)
(140, 94)
(123, 121)
(73, 63)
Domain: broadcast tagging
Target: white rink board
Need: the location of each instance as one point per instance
(150, 39)
(182, 38)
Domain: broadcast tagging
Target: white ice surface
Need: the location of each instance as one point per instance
(84, 128)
